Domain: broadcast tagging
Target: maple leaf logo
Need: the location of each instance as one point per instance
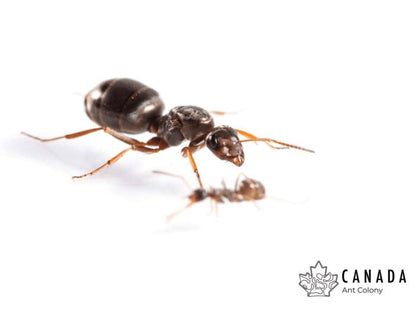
(318, 283)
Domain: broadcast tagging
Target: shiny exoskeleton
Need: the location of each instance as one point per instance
(128, 106)
(124, 105)
(245, 189)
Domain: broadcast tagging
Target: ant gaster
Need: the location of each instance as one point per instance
(128, 106)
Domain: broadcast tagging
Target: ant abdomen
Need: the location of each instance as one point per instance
(124, 105)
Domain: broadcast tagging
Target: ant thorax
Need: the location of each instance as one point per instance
(190, 123)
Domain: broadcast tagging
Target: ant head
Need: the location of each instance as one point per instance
(251, 189)
(223, 141)
(198, 195)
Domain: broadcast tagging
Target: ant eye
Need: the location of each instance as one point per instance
(213, 141)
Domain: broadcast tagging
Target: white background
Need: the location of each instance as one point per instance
(337, 77)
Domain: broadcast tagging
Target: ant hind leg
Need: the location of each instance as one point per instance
(108, 163)
(66, 136)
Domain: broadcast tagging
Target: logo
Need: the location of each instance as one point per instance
(318, 283)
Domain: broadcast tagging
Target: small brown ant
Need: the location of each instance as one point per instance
(245, 189)
(128, 106)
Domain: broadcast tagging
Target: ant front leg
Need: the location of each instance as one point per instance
(187, 152)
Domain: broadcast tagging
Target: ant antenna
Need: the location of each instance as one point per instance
(287, 201)
(174, 176)
(252, 138)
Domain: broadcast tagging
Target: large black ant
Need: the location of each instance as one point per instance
(128, 106)
(245, 189)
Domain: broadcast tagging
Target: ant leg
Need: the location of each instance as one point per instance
(108, 163)
(211, 210)
(256, 204)
(214, 208)
(253, 138)
(66, 136)
(221, 113)
(187, 152)
(156, 141)
(176, 213)
(224, 186)
(238, 180)
(138, 145)
(175, 176)
(217, 214)
(135, 146)
(160, 145)
(123, 138)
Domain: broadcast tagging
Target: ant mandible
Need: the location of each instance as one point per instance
(128, 106)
